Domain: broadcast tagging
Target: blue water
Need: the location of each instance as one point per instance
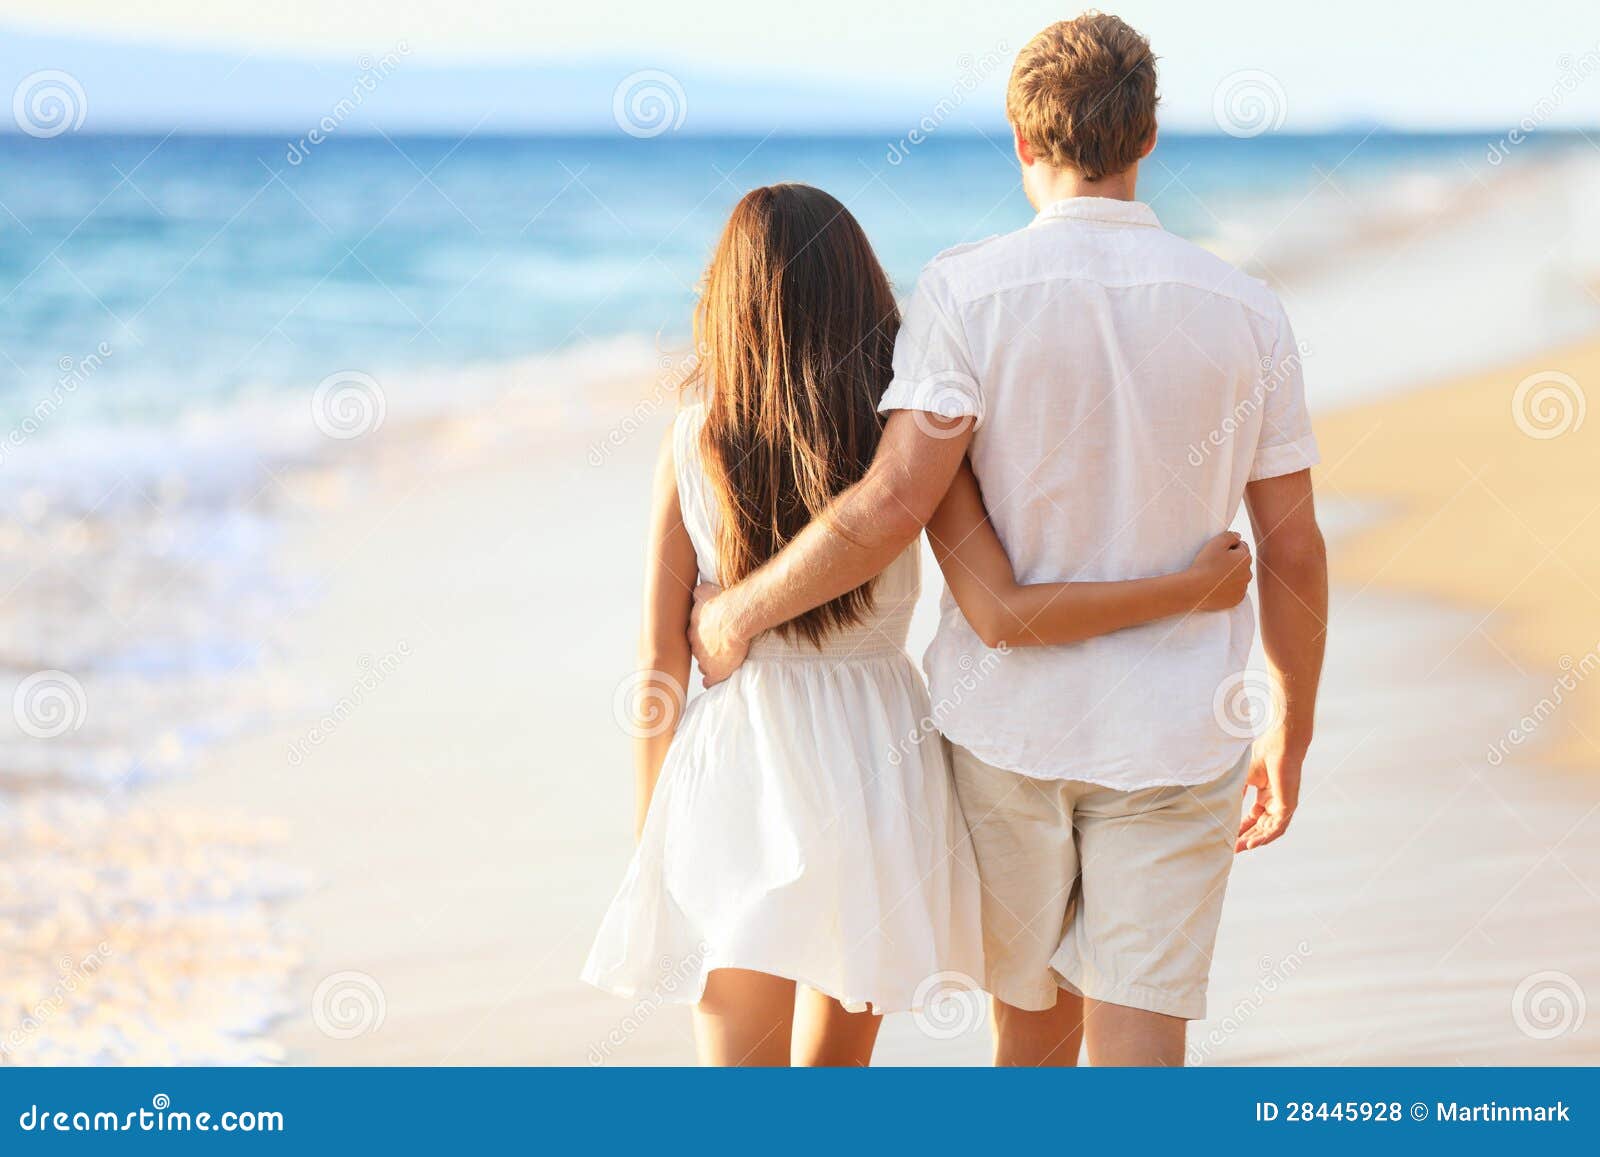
(214, 268)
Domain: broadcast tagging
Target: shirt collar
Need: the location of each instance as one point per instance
(1102, 209)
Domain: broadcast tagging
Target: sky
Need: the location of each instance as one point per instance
(1464, 64)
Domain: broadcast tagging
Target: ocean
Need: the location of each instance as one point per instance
(217, 269)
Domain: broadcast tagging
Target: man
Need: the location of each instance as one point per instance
(1120, 392)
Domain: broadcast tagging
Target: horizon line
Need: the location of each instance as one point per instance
(599, 132)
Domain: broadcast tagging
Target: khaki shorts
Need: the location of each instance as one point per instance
(1111, 894)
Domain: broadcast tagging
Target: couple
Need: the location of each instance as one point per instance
(1074, 413)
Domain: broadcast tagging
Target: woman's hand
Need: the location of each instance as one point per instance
(1220, 573)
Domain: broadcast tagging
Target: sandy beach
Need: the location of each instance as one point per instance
(463, 834)
(1488, 487)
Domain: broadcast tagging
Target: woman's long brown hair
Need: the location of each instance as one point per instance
(795, 330)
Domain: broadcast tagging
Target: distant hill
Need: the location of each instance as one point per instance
(145, 86)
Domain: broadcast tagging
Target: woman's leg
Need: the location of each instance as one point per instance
(1050, 1038)
(744, 1018)
(825, 1034)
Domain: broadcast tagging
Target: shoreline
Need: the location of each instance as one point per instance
(1486, 486)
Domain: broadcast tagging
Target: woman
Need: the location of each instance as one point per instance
(804, 867)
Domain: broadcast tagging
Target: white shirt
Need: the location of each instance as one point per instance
(1127, 384)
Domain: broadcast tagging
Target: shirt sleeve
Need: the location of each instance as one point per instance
(932, 365)
(1286, 444)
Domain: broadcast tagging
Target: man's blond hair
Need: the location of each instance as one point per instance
(1083, 95)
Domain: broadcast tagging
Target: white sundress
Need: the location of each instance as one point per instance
(804, 824)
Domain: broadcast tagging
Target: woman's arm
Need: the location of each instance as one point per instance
(662, 680)
(1005, 612)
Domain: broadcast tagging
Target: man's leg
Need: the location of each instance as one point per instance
(1051, 1038)
(1027, 863)
(1154, 869)
(1120, 1036)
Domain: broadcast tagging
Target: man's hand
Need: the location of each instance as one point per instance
(718, 651)
(1275, 775)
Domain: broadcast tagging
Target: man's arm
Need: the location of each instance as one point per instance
(1292, 586)
(856, 538)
